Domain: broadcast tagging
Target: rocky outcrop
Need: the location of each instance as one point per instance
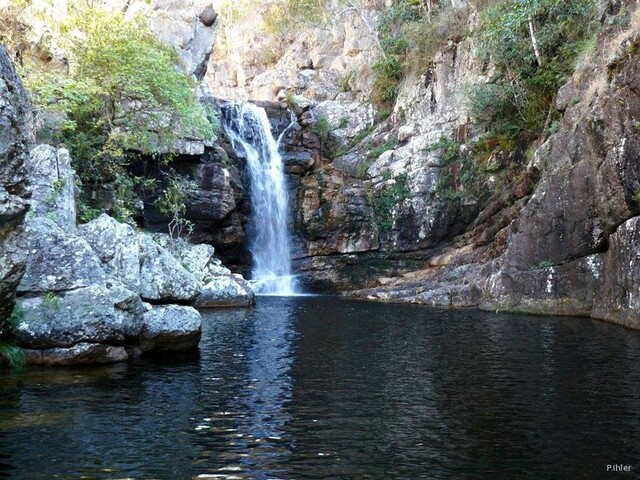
(189, 27)
(15, 138)
(138, 262)
(569, 248)
(58, 261)
(54, 184)
(84, 295)
(74, 311)
(250, 63)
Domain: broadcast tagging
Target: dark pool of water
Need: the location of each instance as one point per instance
(311, 388)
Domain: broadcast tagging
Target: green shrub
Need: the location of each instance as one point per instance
(388, 73)
(16, 316)
(391, 196)
(346, 81)
(126, 95)
(12, 355)
(411, 32)
(375, 152)
(172, 204)
(519, 104)
(322, 128)
(293, 15)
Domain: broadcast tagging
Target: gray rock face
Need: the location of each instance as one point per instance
(618, 292)
(570, 248)
(15, 138)
(170, 327)
(58, 261)
(96, 314)
(225, 291)
(138, 262)
(198, 259)
(219, 287)
(162, 278)
(53, 185)
(188, 26)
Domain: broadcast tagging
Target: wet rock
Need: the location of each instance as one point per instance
(297, 162)
(618, 292)
(215, 198)
(225, 291)
(79, 354)
(170, 328)
(565, 289)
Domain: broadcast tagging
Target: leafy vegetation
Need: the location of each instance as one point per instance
(126, 95)
(10, 354)
(13, 29)
(172, 204)
(534, 44)
(411, 32)
(16, 316)
(291, 15)
(51, 300)
(393, 194)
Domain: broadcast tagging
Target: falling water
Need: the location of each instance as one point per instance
(250, 131)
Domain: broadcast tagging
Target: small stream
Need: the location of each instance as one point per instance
(329, 388)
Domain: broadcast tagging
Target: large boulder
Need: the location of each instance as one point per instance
(220, 288)
(225, 291)
(15, 137)
(97, 314)
(162, 277)
(58, 261)
(139, 262)
(171, 327)
(199, 259)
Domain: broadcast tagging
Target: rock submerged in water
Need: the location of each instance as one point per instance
(79, 354)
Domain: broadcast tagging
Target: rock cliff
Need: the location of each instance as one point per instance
(369, 213)
(15, 139)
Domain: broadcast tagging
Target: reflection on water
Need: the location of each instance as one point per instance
(305, 388)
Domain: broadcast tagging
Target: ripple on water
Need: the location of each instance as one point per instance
(308, 388)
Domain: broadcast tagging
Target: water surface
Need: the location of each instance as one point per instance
(311, 388)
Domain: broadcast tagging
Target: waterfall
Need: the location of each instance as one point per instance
(250, 132)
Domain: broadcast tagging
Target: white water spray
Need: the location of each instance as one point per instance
(249, 130)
